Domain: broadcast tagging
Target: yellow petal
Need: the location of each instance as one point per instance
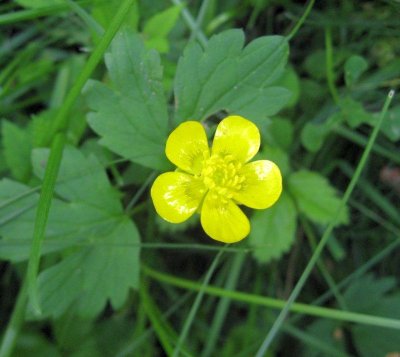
(262, 185)
(224, 222)
(237, 136)
(176, 195)
(187, 147)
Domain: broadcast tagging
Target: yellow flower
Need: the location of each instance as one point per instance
(215, 182)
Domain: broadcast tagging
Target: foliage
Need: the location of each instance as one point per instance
(314, 92)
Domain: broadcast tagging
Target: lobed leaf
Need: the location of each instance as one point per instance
(315, 197)
(228, 76)
(93, 275)
(104, 263)
(131, 115)
(273, 230)
(370, 295)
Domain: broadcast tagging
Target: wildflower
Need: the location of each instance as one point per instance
(215, 182)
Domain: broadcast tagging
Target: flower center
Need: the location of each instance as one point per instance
(221, 176)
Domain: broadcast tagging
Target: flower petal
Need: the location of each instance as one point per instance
(237, 136)
(176, 196)
(224, 222)
(187, 147)
(262, 185)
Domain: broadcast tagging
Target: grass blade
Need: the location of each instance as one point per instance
(311, 310)
(60, 123)
(196, 304)
(307, 271)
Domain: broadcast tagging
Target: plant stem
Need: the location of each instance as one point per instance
(197, 302)
(321, 312)
(329, 66)
(60, 124)
(191, 22)
(307, 271)
(301, 21)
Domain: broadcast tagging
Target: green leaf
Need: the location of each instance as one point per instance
(391, 123)
(312, 95)
(109, 265)
(104, 262)
(226, 76)
(41, 128)
(370, 295)
(131, 116)
(159, 26)
(315, 197)
(89, 208)
(313, 136)
(273, 230)
(70, 223)
(103, 12)
(315, 63)
(281, 132)
(329, 333)
(17, 150)
(367, 292)
(80, 179)
(354, 112)
(93, 275)
(85, 338)
(290, 80)
(376, 341)
(30, 343)
(354, 67)
(33, 4)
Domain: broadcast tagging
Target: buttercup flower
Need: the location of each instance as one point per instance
(215, 182)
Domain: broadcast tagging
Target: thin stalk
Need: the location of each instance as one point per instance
(162, 330)
(223, 305)
(301, 20)
(325, 273)
(361, 270)
(60, 123)
(307, 271)
(329, 65)
(362, 141)
(200, 17)
(191, 22)
(197, 302)
(247, 298)
(31, 14)
(90, 22)
(140, 191)
(42, 215)
(314, 342)
(130, 348)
